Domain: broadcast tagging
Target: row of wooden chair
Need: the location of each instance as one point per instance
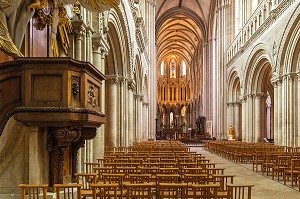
(140, 191)
(283, 163)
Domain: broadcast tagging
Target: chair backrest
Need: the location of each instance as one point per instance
(104, 191)
(139, 178)
(140, 190)
(223, 180)
(32, 191)
(113, 178)
(101, 170)
(239, 191)
(195, 178)
(172, 190)
(86, 179)
(167, 178)
(67, 191)
(89, 166)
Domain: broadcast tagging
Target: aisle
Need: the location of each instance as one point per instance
(264, 188)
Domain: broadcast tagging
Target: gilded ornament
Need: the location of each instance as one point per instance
(6, 43)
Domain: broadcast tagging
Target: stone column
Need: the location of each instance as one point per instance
(145, 119)
(38, 159)
(258, 118)
(275, 108)
(291, 108)
(111, 134)
(131, 88)
(88, 48)
(135, 120)
(141, 119)
(237, 119)
(284, 101)
(297, 135)
(122, 119)
(279, 112)
(228, 119)
(244, 127)
(100, 49)
(250, 118)
(79, 29)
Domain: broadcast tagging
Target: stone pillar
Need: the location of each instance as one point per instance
(275, 108)
(79, 29)
(237, 120)
(279, 112)
(88, 48)
(297, 135)
(141, 119)
(100, 49)
(135, 121)
(145, 120)
(122, 119)
(284, 101)
(291, 108)
(244, 127)
(38, 159)
(131, 87)
(229, 118)
(258, 118)
(249, 118)
(111, 134)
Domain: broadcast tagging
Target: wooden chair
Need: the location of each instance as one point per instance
(89, 166)
(293, 172)
(33, 191)
(126, 171)
(282, 163)
(202, 191)
(140, 190)
(118, 179)
(195, 178)
(258, 159)
(270, 162)
(86, 179)
(67, 191)
(101, 170)
(172, 190)
(153, 171)
(222, 179)
(139, 178)
(167, 178)
(169, 170)
(239, 191)
(104, 191)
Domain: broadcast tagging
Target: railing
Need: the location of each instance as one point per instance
(257, 23)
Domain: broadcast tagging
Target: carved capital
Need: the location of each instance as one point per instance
(291, 76)
(123, 80)
(258, 95)
(79, 27)
(145, 104)
(298, 75)
(100, 44)
(112, 79)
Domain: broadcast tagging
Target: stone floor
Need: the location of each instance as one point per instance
(264, 187)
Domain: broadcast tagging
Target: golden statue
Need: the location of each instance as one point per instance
(231, 133)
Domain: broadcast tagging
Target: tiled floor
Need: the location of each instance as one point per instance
(264, 187)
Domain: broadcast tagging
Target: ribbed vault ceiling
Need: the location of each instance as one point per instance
(181, 25)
